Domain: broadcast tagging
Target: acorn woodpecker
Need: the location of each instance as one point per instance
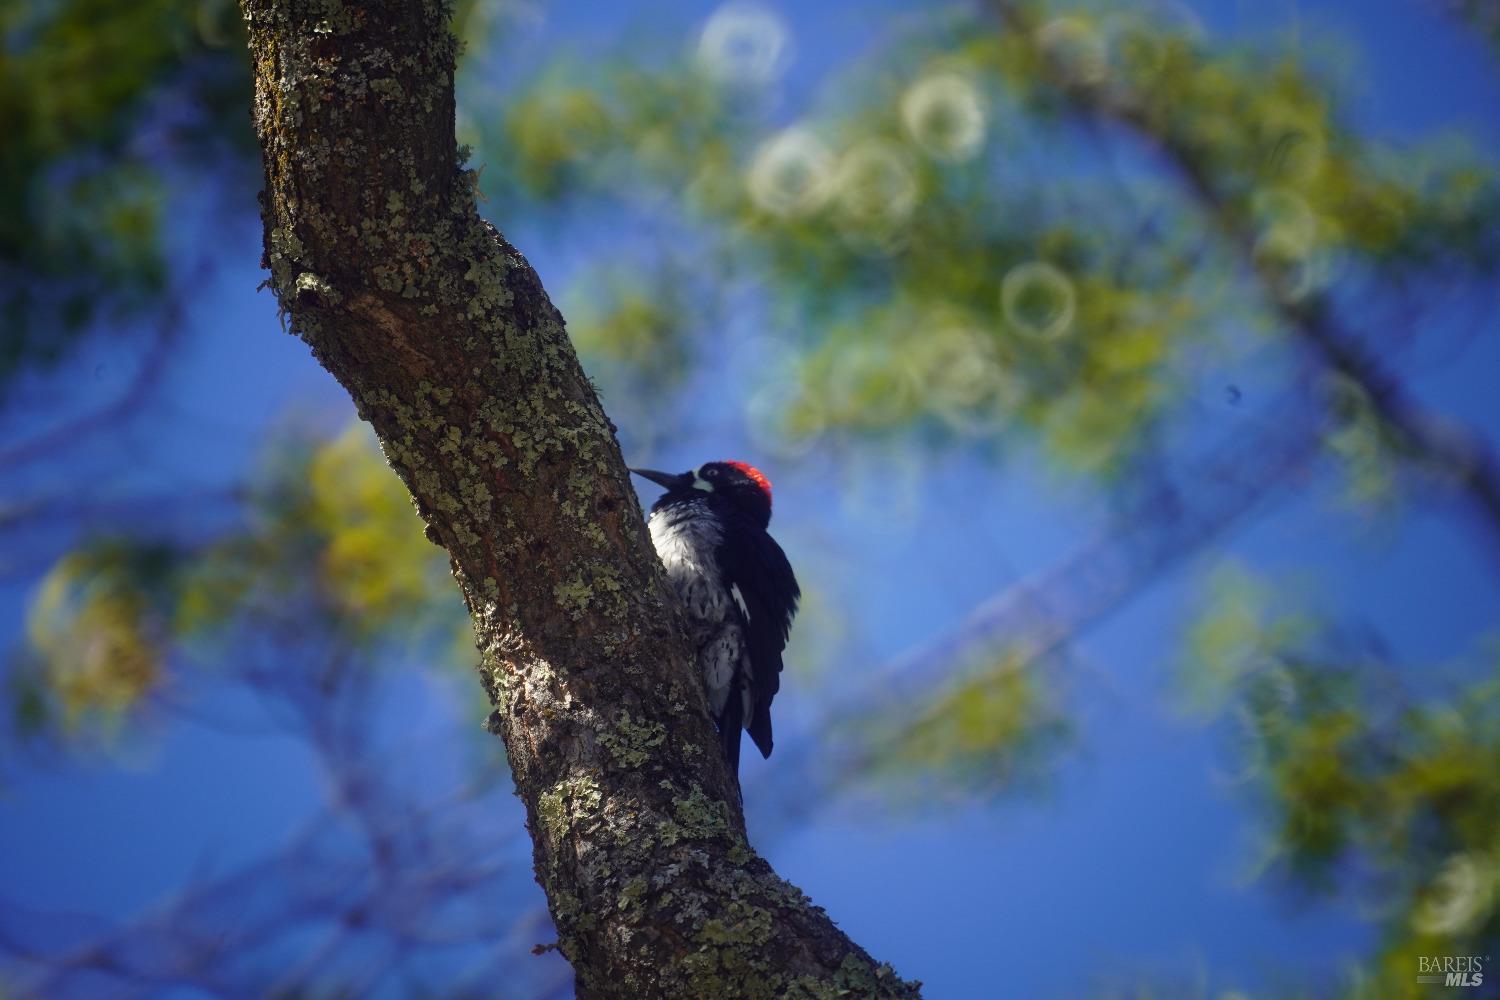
(709, 529)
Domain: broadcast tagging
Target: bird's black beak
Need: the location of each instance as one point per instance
(667, 479)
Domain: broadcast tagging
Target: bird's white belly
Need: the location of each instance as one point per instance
(686, 545)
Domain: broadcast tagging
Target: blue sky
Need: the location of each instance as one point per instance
(1132, 862)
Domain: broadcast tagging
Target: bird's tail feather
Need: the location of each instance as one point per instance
(760, 729)
(730, 722)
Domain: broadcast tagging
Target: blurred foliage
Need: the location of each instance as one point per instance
(330, 551)
(996, 727)
(1053, 222)
(1369, 789)
(1025, 221)
(1483, 16)
(102, 105)
(1366, 450)
(973, 234)
(330, 533)
(109, 111)
(94, 646)
(635, 331)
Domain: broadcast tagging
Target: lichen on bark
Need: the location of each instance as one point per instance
(449, 346)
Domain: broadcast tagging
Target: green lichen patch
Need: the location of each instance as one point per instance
(309, 283)
(633, 894)
(630, 742)
(696, 816)
(573, 596)
(740, 923)
(573, 804)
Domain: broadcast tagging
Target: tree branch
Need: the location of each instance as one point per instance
(153, 366)
(1456, 453)
(442, 334)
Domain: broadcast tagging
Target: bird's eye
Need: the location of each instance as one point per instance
(711, 473)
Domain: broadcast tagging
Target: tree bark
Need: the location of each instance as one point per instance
(444, 338)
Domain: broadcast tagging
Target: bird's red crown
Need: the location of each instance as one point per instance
(755, 475)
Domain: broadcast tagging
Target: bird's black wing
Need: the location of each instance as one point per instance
(766, 593)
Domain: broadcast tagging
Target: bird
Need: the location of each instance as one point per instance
(710, 531)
